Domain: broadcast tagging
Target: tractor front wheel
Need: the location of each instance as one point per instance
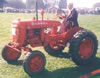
(10, 55)
(34, 62)
(83, 47)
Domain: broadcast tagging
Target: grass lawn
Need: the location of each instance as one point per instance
(56, 67)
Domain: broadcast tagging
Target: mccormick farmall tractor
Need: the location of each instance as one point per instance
(54, 37)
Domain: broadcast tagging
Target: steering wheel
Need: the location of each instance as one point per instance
(61, 15)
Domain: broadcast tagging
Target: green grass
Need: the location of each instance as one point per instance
(56, 67)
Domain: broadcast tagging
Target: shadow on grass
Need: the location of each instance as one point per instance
(71, 72)
(62, 55)
(18, 63)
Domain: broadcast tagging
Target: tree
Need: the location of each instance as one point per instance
(96, 5)
(15, 4)
(31, 4)
(2, 3)
(51, 3)
(62, 4)
(47, 4)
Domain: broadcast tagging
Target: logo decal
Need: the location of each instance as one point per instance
(39, 23)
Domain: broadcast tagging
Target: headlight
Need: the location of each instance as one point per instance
(13, 31)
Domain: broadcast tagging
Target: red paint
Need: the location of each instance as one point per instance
(35, 63)
(42, 13)
(11, 53)
(54, 45)
(86, 48)
(91, 74)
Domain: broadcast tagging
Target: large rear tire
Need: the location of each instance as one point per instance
(83, 47)
(10, 55)
(34, 63)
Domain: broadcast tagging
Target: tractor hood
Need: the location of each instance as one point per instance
(37, 24)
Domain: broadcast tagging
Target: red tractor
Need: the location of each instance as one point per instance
(50, 34)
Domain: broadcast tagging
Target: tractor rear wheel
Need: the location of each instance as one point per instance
(10, 55)
(83, 47)
(34, 62)
(53, 49)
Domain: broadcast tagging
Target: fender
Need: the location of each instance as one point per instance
(71, 32)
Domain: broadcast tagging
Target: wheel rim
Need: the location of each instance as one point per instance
(36, 63)
(11, 54)
(86, 48)
(54, 46)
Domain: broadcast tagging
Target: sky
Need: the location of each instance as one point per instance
(84, 3)
(24, 1)
(81, 3)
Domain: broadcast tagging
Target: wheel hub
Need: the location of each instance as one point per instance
(86, 48)
(54, 45)
(11, 53)
(36, 63)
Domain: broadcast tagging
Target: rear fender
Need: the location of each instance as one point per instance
(71, 32)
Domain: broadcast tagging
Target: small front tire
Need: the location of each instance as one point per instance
(10, 55)
(34, 63)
